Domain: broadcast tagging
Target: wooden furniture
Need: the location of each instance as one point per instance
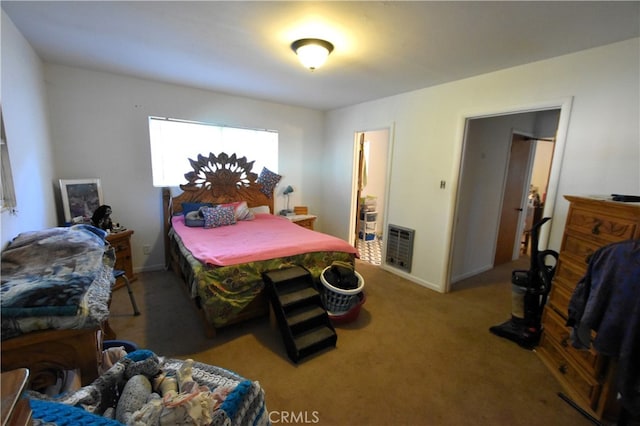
(586, 376)
(226, 294)
(48, 353)
(121, 242)
(228, 179)
(300, 210)
(15, 409)
(304, 220)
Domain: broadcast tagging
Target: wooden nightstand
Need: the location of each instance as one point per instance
(304, 220)
(121, 242)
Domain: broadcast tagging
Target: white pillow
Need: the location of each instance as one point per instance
(260, 209)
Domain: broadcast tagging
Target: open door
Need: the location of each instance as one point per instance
(514, 199)
(360, 184)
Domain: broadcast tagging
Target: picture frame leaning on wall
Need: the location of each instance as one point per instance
(80, 198)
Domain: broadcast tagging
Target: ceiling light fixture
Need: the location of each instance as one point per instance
(312, 52)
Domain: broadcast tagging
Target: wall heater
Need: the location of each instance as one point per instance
(400, 247)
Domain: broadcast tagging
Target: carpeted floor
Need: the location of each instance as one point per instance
(413, 357)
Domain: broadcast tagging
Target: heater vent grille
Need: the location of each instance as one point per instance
(400, 247)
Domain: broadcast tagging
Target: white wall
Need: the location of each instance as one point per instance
(602, 153)
(99, 128)
(27, 130)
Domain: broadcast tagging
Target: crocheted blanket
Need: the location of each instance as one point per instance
(142, 389)
(55, 278)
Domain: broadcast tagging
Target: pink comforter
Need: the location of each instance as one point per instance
(266, 237)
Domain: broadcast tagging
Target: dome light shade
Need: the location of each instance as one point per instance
(312, 52)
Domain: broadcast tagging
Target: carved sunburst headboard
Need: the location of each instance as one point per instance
(222, 179)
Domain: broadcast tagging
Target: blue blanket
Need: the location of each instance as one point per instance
(55, 273)
(607, 300)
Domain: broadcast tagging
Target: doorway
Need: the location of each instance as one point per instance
(483, 186)
(513, 199)
(524, 195)
(372, 148)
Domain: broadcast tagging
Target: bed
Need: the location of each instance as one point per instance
(222, 266)
(56, 287)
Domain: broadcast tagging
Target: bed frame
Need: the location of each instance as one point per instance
(48, 353)
(214, 179)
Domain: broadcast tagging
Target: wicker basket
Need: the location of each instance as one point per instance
(337, 300)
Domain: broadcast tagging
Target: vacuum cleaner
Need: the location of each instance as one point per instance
(529, 291)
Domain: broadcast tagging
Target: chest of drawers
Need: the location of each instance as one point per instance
(586, 376)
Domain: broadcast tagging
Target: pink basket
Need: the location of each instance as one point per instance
(351, 315)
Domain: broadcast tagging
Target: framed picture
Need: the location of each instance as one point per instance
(80, 198)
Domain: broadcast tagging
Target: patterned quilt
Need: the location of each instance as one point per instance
(55, 278)
(223, 292)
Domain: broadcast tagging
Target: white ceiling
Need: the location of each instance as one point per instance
(381, 48)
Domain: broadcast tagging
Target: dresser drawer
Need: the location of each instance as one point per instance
(122, 248)
(601, 226)
(121, 243)
(554, 326)
(569, 272)
(122, 263)
(559, 298)
(584, 388)
(578, 248)
(306, 223)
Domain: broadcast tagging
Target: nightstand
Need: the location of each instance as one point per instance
(304, 220)
(121, 242)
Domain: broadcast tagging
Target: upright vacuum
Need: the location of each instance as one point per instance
(529, 291)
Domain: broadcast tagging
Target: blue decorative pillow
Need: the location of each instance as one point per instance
(195, 218)
(190, 207)
(218, 216)
(268, 180)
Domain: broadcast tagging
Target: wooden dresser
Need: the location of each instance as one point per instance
(586, 376)
(121, 242)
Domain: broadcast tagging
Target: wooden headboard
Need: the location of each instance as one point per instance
(216, 179)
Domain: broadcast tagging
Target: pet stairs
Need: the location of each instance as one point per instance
(302, 319)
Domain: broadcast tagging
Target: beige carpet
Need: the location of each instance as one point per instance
(413, 357)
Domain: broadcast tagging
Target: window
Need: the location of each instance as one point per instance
(8, 195)
(174, 142)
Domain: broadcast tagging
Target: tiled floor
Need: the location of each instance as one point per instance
(370, 251)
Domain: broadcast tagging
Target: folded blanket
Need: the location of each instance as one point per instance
(56, 272)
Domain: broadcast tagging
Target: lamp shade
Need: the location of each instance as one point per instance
(288, 190)
(312, 52)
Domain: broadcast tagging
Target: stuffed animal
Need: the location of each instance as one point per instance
(101, 218)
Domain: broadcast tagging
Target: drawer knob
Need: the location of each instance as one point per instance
(565, 342)
(596, 228)
(563, 369)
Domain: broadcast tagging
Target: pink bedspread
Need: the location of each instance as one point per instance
(266, 237)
